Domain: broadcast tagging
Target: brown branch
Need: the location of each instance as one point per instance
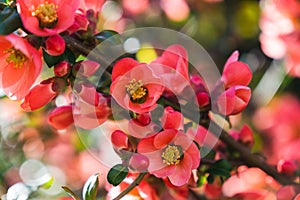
(135, 183)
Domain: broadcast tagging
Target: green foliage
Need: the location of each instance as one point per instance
(90, 188)
(220, 168)
(106, 34)
(117, 174)
(68, 55)
(9, 20)
(71, 193)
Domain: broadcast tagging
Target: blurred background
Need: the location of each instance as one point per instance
(28, 142)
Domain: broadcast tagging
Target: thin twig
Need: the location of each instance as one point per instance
(135, 183)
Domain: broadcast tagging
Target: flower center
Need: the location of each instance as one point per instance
(172, 155)
(15, 56)
(46, 14)
(137, 91)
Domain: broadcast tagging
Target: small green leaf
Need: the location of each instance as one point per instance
(117, 174)
(53, 60)
(90, 188)
(9, 20)
(106, 34)
(71, 193)
(210, 179)
(220, 168)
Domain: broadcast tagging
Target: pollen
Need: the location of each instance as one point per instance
(172, 155)
(46, 14)
(15, 56)
(137, 91)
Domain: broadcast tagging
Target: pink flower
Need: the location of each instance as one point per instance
(250, 183)
(90, 107)
(46, 18)
(135, 86)
(200, 89)
(39, 95)
(142, 191)
(245, 135)
(20, 65)
(173, 68)
(55, 45)
(61, 69)
(235, 78)
(86, 68)
(171, 154)
(120, 140)
(61, 117)
(172, 119)
(94, 5)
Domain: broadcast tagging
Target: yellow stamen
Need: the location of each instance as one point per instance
(16, 56)
(136, 90)
(172, 155)
(46, 14)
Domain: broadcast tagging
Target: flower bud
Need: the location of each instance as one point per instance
(287, 167)
(55, 45)
(139, 162)
(172, 119)
(61, 69)
(119, 140)
(86, 68)
(61, 117)
(143, 119)
(39, 95)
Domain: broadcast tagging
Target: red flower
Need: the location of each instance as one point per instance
(55, 45)
(45, 18)
(172, 119)
(171, 154)
(135, 86)
(235, 78)
(39, 95)
(61, 117)
(20, 65)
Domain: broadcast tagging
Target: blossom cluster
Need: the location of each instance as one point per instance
(161, 144)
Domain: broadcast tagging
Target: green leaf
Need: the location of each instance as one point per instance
(53, 60)
(48, 184)
(117, 174)
(90, 188)
(220, 168)
(210, 179)
(9, 20)
(71, 193)
(108, 34)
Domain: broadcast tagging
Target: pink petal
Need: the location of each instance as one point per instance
(123, 66)
(164, 138)
(182, 172)
(232, 58)
(242, 98)
(146, 145)
(226, 101)
(236, 73)
(61, 117)
(119, 139)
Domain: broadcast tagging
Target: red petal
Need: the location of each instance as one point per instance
(164, 138)
(232, 58)
(123, 66)
(226, 101)
(236, 73)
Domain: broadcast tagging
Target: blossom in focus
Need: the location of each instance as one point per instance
(235, 78)
(143, 191)
(250, 183)
(40, 95)
(55, 45)
(46, 18)
(135, 86)
(172, 119)
(171, 154)
(20, 65)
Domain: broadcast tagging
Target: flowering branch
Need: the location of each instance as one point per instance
(135, 183)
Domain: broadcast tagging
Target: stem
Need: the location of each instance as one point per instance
(135, 183)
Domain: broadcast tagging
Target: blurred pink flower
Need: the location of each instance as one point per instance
(40, 95)
(143, 191)
(20, 65)
(176, 10)
(94, 5)
(280, 32)
(55, 45)
(171, 154)
(245, 135)
(235, 78)
(135, 6)
(46, 18)
(135, 86)
(250, 183)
